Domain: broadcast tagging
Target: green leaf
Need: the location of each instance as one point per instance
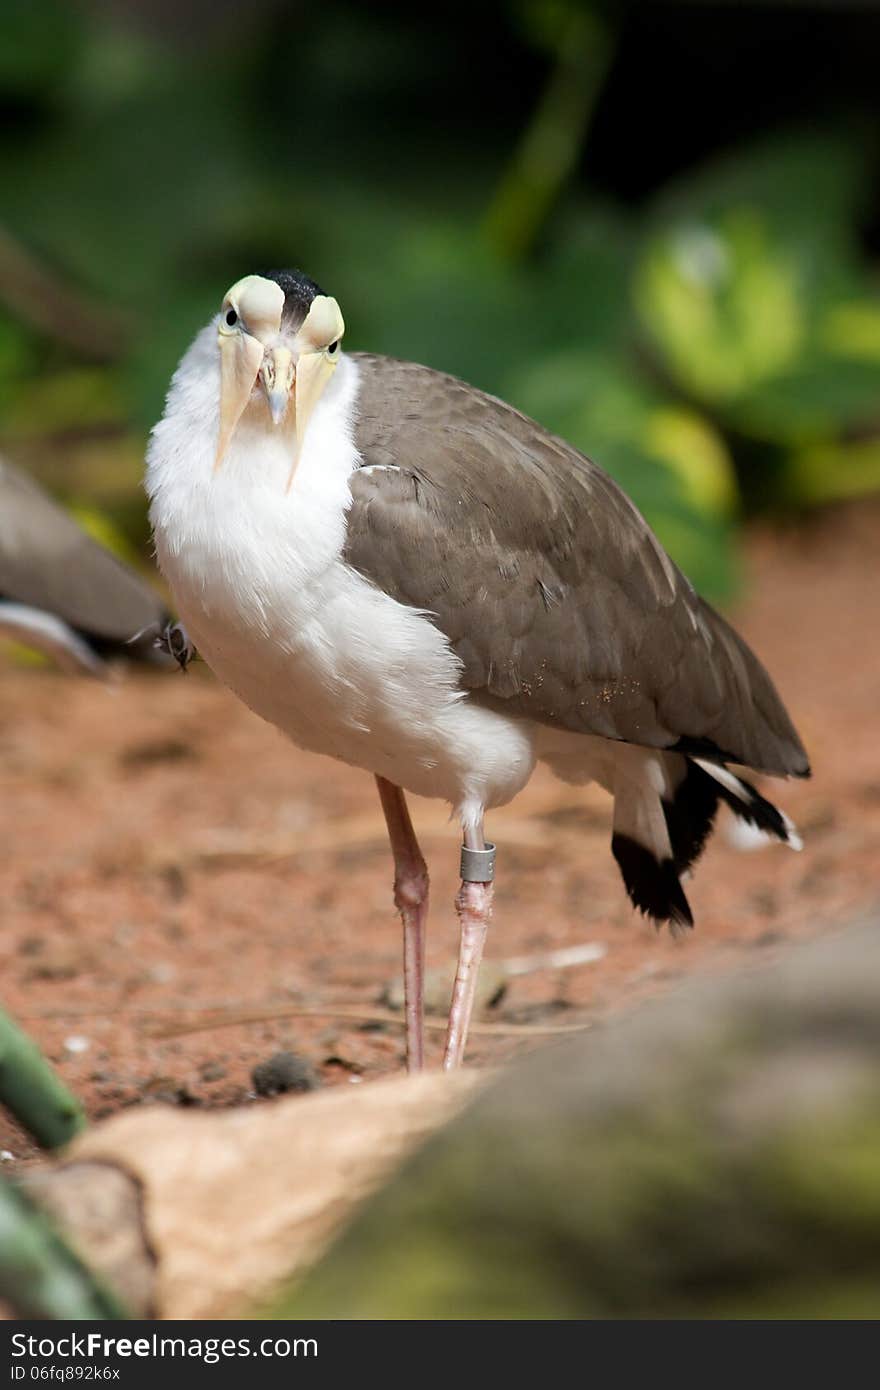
(723, 304)
(851, 330)
(817, 398)
(751, 292)
(832, 472)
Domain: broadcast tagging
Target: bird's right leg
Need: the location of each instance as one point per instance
(411, 900)
(474, 908)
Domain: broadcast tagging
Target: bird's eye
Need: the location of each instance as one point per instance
(231, 317)
(333, 346)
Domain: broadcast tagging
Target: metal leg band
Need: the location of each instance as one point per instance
(477, 865)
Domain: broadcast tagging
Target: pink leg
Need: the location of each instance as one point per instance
(474, 907)
(411, 900)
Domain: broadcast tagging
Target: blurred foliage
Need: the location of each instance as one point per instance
(754, 296)
(716, 348)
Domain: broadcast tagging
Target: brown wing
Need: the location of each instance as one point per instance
(48, 562)
(558, 599)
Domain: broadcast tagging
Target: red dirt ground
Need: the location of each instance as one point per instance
(165, 853)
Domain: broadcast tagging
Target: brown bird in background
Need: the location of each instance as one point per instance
(62, 593)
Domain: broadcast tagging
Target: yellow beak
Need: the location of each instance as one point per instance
(241, 357)
(313, 371)
(277, 374)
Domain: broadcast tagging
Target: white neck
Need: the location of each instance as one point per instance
(244, 518)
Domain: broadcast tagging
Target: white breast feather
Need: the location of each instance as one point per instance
(305, 641)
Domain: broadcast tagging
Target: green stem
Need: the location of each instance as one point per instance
(29, 1088)
(549, 150)
(40, 1276)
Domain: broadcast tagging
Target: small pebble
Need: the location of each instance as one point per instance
(76, 1043)
(212, 1071)
(6, 1156)
(167, 1090)
(284, 1072)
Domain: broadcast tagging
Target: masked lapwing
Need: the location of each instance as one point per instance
(409, 575)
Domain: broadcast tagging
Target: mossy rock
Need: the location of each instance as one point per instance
(715, 1155)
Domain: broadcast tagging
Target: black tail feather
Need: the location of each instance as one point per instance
(690, 815)
(652, 884)
(756, 809)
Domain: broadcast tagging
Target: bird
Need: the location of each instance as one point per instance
(413, 577)
(64, 594)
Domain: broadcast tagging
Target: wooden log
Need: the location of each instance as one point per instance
(210, 1212)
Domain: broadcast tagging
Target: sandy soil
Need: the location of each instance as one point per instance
(166, 854)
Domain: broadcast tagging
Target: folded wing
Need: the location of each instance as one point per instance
(556, 596)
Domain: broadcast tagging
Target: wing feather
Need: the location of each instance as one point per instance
(558, 599)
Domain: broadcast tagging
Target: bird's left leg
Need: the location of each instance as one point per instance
(411, 900)
(474, 907)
